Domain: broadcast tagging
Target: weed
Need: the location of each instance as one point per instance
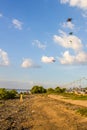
(82, 111)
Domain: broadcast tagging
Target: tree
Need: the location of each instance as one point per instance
(50, 90)
(60, 90)
(37, 89)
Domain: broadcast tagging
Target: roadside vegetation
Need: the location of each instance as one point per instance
(11, 94)
(7, 94)
(58, 91)
(82, 111)
(74, 96)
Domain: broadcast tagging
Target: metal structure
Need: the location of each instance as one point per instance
(81, 83)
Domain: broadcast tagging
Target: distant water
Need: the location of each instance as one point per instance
(21, 90)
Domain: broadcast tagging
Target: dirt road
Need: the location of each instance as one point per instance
(38, 112)
(76, 102)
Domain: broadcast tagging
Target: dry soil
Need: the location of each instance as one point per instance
(40, 112)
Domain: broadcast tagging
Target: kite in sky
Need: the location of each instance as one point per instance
(69, 19)
(70, 33)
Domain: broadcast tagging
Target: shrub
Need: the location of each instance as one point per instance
(7, 94)
(60, 90)
(2, 93)
(50, 90)
(38, 89)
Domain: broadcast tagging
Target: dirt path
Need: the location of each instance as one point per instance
(38, 112)
(76, 102)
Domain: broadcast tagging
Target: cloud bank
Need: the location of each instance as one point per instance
(68, 41)
(67, 58)
(71, 42)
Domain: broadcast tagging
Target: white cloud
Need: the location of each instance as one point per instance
(46, 59)
(39, 44)
(17, 24)
(4, 60)
(77, 3)
(68, 25)
(81, 57)
(1, 15)
(67, 58)
(28, 63)
(68, 41)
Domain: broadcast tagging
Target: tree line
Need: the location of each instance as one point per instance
(40, 89)
(11, 94)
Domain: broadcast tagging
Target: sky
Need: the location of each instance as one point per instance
(42, 42)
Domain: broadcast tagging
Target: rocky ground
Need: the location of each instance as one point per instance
(40, 112)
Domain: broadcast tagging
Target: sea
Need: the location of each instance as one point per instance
(20, 90)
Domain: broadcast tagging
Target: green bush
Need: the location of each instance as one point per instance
(38, 89)
(50, 90)
(60, 90)
(7, 94)
(57, 90)
(2, 93)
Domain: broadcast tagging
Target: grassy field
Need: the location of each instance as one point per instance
(74, 96)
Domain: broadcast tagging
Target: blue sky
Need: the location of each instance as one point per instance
(35, 44)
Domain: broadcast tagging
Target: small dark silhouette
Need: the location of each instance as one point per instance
(71, 33)
(69, 19)
(53, 60)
